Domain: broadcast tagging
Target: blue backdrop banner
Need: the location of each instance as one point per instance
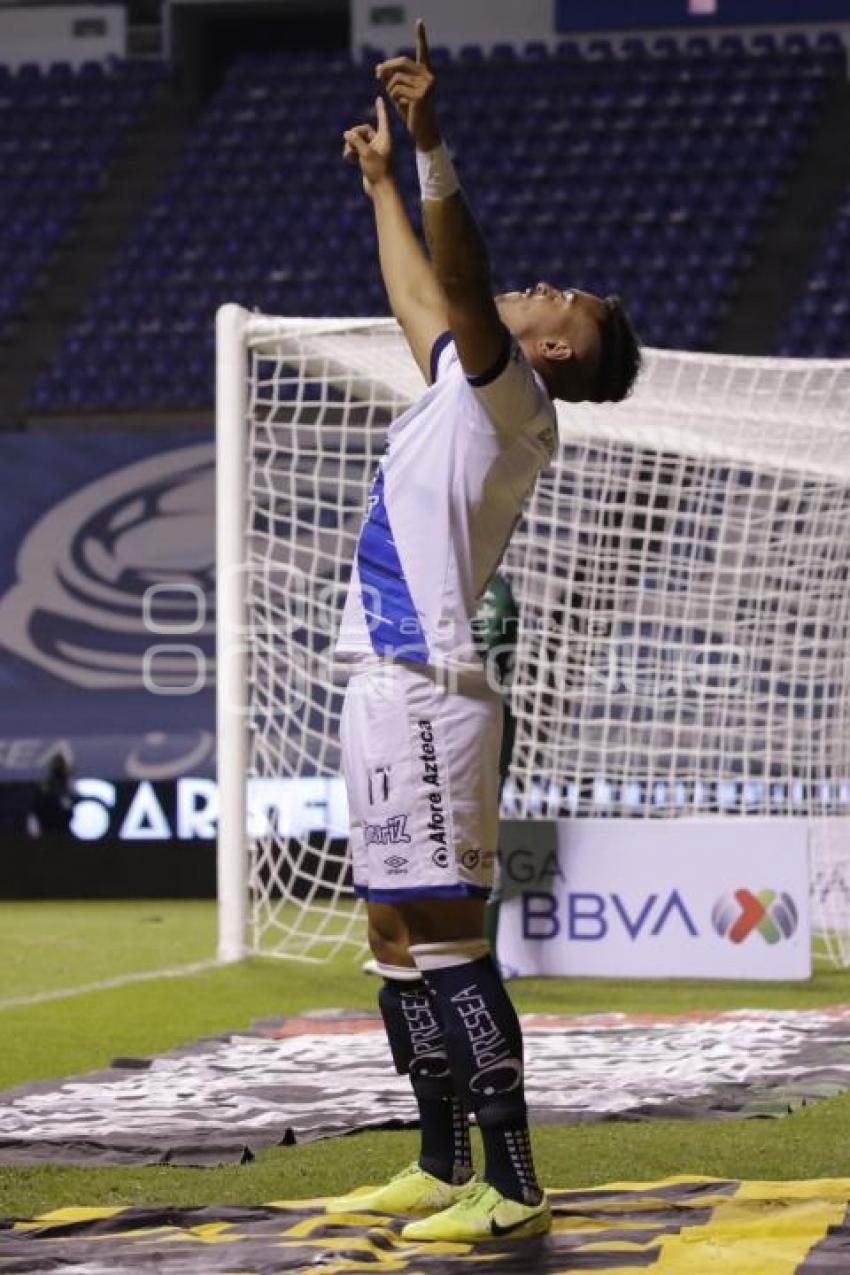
(107, 616)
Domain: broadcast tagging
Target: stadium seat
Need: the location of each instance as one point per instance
(635, 48)
(698, 46)
(796, 43)
(601, 48)
(766, 43)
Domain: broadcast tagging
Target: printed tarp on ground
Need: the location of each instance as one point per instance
(681, 1226)
(220, 1100)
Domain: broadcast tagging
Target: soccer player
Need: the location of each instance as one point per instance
(421, 728)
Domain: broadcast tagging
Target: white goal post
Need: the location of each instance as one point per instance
(683, 581)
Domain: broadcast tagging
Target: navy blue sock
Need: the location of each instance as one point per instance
(419, 1051)
(484, 1043)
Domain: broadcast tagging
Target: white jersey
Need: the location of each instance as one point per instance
(446, 496)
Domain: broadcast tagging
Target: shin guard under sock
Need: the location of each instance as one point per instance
(419, 1051)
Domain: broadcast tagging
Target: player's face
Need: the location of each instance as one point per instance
(545, 311)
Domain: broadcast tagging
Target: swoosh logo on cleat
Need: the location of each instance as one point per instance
(499, 1231)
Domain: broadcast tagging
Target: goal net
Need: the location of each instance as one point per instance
(683, 582)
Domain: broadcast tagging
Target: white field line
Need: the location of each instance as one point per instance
(106, 984)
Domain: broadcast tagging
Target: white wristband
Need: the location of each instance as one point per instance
(437, 176)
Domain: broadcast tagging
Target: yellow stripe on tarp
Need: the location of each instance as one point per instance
(73, 1215)
(68, 1216)
(765, 1228)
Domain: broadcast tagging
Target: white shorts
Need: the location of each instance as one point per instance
(421, 766)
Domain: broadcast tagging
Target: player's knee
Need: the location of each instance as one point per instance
(444, 920)
(390, 950)
(388, 936)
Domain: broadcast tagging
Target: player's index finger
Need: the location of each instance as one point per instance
(383, 121)
(421, 43)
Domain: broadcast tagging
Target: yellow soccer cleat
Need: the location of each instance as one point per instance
(482, 1213)
(410, 1191)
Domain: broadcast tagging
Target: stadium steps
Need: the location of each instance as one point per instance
(129, 185)
(769, 290)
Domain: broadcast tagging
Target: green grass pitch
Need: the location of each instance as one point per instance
(49, 947)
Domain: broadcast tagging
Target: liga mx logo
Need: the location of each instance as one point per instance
(134, 546)
(772, 915)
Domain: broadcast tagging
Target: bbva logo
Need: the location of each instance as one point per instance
(585, 916)
(768, 913)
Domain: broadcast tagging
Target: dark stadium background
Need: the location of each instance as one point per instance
(697, 163)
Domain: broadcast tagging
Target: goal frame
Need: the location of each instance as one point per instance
(231, 649)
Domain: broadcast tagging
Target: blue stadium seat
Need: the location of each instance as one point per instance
(601, 48)
(635, 47)
(766, 43)
(666, 46)
(698, 46)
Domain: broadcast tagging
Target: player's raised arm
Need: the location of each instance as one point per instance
(415, 296)
(458, 251)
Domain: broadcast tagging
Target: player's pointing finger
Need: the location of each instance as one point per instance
(383, 131)
(422, 51)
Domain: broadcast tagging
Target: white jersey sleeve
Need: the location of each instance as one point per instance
(511, 392)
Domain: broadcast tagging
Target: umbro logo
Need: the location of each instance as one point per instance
(396, 864)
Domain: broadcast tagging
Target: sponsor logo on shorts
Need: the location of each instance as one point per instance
(396, 865)
(378, 780)
(431, 779)
(471, 858)
(392, 832)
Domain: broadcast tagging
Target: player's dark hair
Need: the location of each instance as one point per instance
(620, 359)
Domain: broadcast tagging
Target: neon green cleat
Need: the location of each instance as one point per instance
(482, 1213)
(410, 1191)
